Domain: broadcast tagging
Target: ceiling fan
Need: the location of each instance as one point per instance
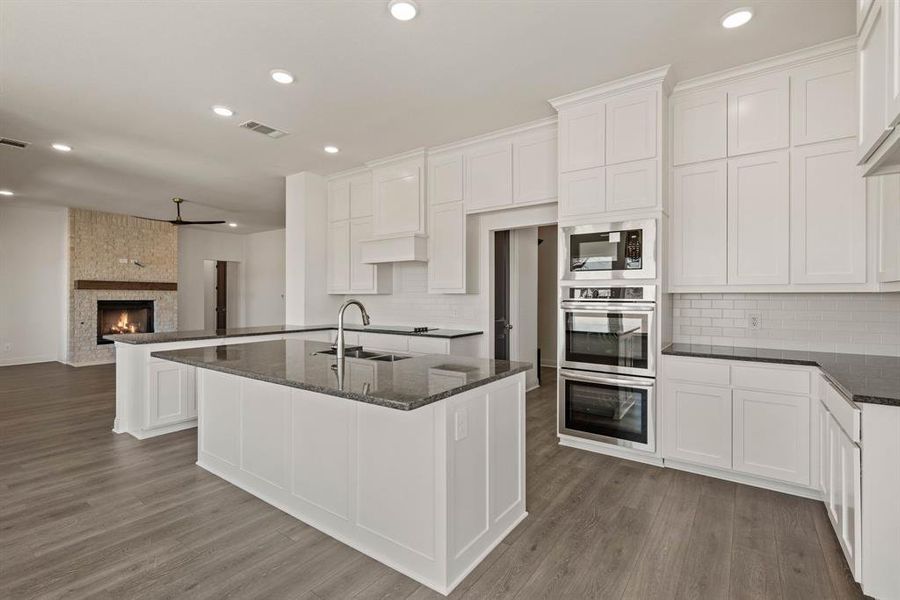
(178, 220)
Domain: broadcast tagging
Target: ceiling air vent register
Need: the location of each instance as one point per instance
(13, 143)
(266, 130)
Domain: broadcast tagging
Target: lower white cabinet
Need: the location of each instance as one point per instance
(697, 424)
(771, 435)
(841, 484)
(170, 394)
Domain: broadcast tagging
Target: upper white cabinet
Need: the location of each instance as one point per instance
(758, 115)
(823, 101)
(699, 224)
(631, 185)
(447, 249)
(338, 257)
(582, 136)
(338, 200)
(535, 166)
(631, 127)
(399, 197)
(489, 176)
(828, 214)
(874, 68)
(445, 179)
(758, 219)
(699, 127)
(361, 196)
(889, 229)
(893, 65)
(582, 192)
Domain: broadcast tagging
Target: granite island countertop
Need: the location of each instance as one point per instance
(864, 378)
(404, 385)
(164, 337)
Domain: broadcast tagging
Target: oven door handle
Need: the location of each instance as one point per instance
(613, 307)
(627, 381)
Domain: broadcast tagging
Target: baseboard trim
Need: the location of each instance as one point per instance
(28, 360)
(767, 484)
(150, 433)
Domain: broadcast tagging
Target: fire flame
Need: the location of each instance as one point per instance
(123, 326)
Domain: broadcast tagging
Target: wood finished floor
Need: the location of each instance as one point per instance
(85, 513)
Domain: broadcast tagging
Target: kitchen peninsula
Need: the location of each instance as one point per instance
(418, 462)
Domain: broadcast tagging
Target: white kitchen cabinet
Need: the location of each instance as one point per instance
(889, 229)
(447, 249)
(582, 137)
(399, 198)
(699, 224)
(758, 115)
(338, 257)
(366, 278)
(758, 219)
(823, 101)
(771, 435)
(842, 490)
(631, 127)
(828, 214)
(862, 10)
(697, 424)
(535, 166)
(338, 200)
(631, 185)
(892, 8)
(170, 394)
(872, 48)
(699, 128)
(582, 192)
(361, 196)
(489, 176)
(445, 179)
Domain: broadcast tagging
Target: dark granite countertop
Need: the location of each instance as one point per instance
(163, 337)
(864, 378)
(405, 384)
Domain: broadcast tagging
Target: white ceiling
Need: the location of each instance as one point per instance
(130, 84)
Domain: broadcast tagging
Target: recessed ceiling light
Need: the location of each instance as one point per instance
(5, 193)
(62, 147)
(281, 76)
(403, 10)
(232, 224)
(332, 149)
(223, 111)
(737, 17)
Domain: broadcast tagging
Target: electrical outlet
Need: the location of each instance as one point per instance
(754, 320)
(461, 424)
(7, 347)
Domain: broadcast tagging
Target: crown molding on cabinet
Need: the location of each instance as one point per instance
(363, 170)
(493, 135)
(396, 158)
(659, 75)
(838, 47)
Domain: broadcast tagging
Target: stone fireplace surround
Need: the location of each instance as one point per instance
(103, 246)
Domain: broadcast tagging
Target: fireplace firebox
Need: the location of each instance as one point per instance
(123, 316)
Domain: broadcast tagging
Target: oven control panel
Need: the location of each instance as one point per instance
(633, 249)
(612, 293)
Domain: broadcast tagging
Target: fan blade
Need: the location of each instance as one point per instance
(159, 220)
(198, 222)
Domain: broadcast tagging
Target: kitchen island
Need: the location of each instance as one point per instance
(418, 462)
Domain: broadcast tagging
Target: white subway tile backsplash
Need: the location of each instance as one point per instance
(857, 323)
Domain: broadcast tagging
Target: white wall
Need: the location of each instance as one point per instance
(548, 310)
(264, 278)
(860, 323)
(33, 283)
(195, 246)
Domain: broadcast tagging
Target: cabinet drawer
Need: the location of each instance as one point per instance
(844, 411)
(771, 380)
(697, 371)
(383, 341)
(426, 345)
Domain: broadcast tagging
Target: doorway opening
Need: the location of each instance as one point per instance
(221, 294)
(525, 297)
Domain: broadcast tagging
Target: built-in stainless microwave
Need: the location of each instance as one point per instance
(624, 250)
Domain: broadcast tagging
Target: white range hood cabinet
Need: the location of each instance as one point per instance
(403, 248)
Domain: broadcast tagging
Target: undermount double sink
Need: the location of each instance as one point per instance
(366, 354)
